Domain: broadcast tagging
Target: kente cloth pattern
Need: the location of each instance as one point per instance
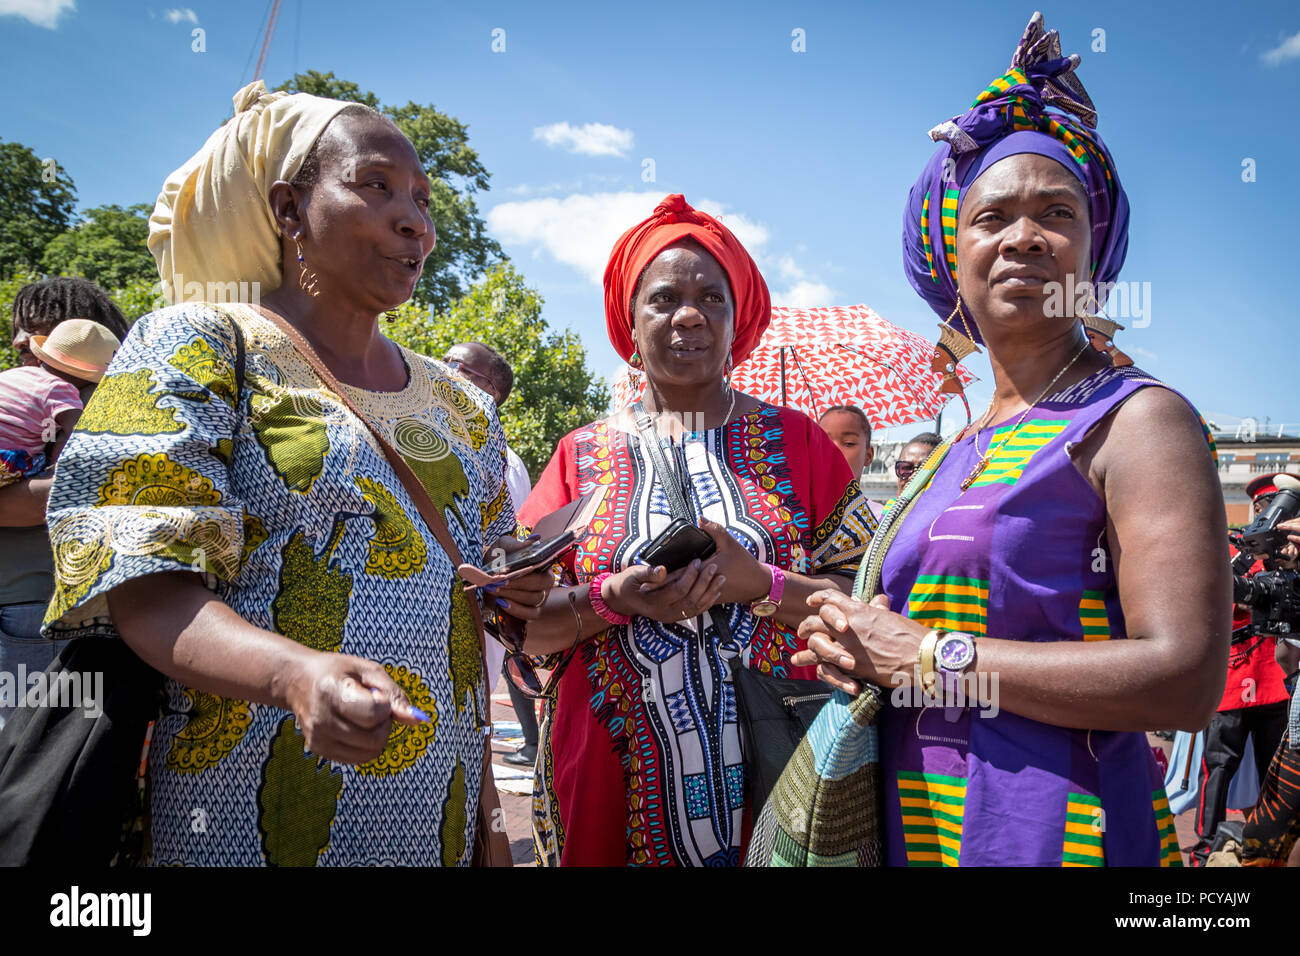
(640, 760)
(282, 497)
(1023, 556)
(825, 808)
(812, 359)
(1037, 106)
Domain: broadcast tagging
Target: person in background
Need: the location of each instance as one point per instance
(26, 564)
(1254, 705)
(850, 429)
(913, 456)
(40, 405)
(485, 368)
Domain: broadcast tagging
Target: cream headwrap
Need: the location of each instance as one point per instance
(212, 224)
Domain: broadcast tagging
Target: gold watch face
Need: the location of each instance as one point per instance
(763, 608)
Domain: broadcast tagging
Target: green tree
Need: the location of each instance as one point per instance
(36, 203)
(554, 392)
(107, 246)
(464, 248)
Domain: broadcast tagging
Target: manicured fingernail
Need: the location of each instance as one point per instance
(501, 602)
(713, 569)
(532, 537)
(418, 714)
(491, 588)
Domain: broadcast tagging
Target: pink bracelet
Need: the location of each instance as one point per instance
(598, 603)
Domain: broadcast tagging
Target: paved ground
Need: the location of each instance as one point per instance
(518, 809)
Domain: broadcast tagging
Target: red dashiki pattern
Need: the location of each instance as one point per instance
(641, 762)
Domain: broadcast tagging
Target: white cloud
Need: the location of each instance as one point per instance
(590, 139)
(805, 295)
(179, 16)
(1288, 49)
(43, 13)
(579, 231)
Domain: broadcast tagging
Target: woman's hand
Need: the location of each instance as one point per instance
(523, 596)
(345, 707)
(643, 591)
(847, 639)
(747, 580)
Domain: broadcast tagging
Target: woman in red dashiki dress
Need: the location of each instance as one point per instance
(641, 759)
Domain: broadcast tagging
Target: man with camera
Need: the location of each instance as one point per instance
(1255, 699)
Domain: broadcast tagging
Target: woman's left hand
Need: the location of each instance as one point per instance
(523, 596)
(847, 639)
(747, 579)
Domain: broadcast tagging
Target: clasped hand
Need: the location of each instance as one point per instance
(850, 639)
(730, 575)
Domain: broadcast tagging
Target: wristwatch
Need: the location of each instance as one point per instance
(954, 653)
(766, 607)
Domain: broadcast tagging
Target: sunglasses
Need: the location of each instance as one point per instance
(479, 379)
(521, 667)
(904, 469)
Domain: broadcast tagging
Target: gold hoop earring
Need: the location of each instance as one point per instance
(309, 285)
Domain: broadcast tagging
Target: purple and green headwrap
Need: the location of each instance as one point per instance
(1037, 106)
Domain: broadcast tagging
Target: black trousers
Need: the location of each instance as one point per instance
(1225, 744)
(525, 709)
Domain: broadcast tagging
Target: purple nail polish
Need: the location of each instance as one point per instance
(501, 602)
(491, 588)
(419, 714)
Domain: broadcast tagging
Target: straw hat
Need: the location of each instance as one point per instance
(80, 347)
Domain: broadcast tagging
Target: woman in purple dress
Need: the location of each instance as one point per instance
(1061, 560)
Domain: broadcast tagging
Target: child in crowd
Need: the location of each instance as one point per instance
(40, 404)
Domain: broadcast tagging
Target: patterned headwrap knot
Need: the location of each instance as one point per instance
(1037, 106)
(672, 220)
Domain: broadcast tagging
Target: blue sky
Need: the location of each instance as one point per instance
(808, 155)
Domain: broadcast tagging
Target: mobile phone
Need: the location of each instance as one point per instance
(537, 554)
(678, 545)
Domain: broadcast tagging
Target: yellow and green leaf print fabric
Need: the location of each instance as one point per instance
(274, 492)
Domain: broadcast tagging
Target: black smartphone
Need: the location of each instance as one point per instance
(538, 554)
(678, 545)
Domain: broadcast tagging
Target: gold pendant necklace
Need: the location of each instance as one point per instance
(987, 457)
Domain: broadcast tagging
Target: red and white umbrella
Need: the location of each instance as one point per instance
(811, 359)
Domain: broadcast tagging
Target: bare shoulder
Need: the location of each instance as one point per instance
(1153, 430)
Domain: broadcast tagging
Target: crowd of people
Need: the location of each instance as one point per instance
(273, 505)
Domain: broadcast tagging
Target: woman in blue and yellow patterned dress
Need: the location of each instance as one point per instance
(223, 512)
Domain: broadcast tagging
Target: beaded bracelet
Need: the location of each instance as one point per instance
(598, 603)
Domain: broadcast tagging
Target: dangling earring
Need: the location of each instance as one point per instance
(308, 285)
(635, 367)
(1105, 329)
(391, 315)
(961, 315)
(726, 375)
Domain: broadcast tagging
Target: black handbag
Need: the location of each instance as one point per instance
(68, 780)
(774, 713)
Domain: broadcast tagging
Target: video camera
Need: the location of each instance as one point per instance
(1272, 596)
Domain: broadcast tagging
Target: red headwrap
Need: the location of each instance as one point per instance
(675, 219)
